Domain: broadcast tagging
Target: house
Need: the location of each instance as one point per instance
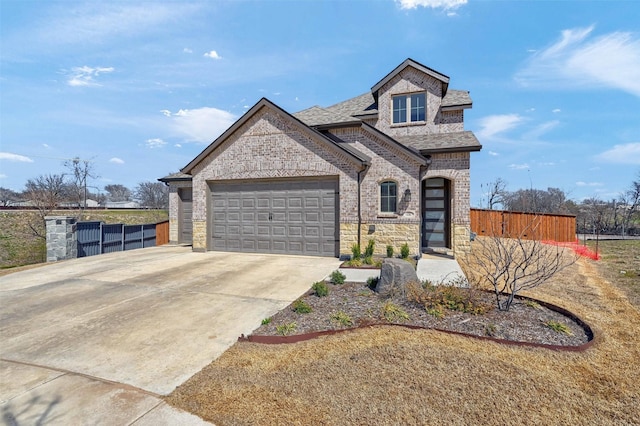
(391, 165)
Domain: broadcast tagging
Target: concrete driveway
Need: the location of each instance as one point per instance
(98, 340)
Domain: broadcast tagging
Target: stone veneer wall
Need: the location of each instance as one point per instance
(394, 234)
(62, 238)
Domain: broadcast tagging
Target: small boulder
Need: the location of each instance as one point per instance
(394, 274)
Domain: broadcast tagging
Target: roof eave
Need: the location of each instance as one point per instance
(473, 148)
(456, 107)
(417, 65)
(262, 103)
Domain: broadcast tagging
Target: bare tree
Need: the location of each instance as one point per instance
(511, 265)
(8, 196)
(45, 193)
(118, 192)
(81, 171)
(496, 191)
(630, 199)
(153, 195)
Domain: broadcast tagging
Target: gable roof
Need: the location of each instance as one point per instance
(414, 64)
(354, 155)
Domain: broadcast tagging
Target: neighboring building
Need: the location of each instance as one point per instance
(121, 205)
(390, 165)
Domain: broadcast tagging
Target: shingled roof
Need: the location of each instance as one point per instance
(441, 142)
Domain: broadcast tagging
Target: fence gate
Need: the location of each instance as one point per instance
(98, 237)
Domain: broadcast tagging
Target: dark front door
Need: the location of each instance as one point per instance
(435, 213)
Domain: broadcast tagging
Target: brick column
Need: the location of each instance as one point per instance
(62, 239)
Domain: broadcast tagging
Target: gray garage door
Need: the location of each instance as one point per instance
(284, 216)
(186, 223)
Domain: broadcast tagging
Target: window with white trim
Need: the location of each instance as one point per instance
(388, 196)
(409, 108)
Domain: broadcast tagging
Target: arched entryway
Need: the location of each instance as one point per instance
(436, 213)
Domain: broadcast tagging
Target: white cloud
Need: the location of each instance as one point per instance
(201, 124)
(494, 124)
(622, 154)
(155, 143)
(178, 145)
(493, 153)
(3, 176)
(434, 4)
(46, 146)
(213, 55)
(540, 130)
(519, 166)
(116, 160)
(581, 60)
(84, 76)
(15, 157)
(187, 50)
(166, 112)
(557, 110)
(580, 183)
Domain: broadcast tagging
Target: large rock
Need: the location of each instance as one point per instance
(395, 273)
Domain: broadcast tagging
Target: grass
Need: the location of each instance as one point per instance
(620, 264)
(19, 246)
(390, 375)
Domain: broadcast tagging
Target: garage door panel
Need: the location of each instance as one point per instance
(292, 217)
(278, 230)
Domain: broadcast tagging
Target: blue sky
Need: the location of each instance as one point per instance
(140, 88)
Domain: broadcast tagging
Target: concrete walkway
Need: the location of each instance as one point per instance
(435, 268)
(99, 340)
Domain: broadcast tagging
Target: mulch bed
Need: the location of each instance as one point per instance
(522, 323)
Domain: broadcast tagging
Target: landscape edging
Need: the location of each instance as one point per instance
(593, 338)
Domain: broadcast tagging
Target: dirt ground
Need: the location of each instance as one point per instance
(390, 375)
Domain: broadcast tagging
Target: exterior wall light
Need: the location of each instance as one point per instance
(407, 195)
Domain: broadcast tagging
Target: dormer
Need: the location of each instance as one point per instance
(414, 99)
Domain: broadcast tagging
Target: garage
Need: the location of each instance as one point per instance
(284, 216)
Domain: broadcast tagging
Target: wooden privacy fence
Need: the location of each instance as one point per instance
(528, 226)
(97, 237)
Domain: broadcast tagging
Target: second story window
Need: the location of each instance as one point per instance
(415, 104)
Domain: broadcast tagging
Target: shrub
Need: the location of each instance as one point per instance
(337, 277)
(355, 252)
(532, 304)
(320, 289)
(389, 250)
(558, 327)
(404, 251)
(356, 263)
(445, 297)
(372, 282)
(266, 321)
(392, 312)
(368, 252)
(342, 319)
(301, 307)
(286, 329)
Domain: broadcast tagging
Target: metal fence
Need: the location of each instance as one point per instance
(98, 237)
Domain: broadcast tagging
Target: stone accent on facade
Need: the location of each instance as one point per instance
(395, 234)
(461, 239)
(200, 235)
(173, 230)
(62, 238)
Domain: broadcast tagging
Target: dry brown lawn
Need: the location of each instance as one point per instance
(390, 375)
